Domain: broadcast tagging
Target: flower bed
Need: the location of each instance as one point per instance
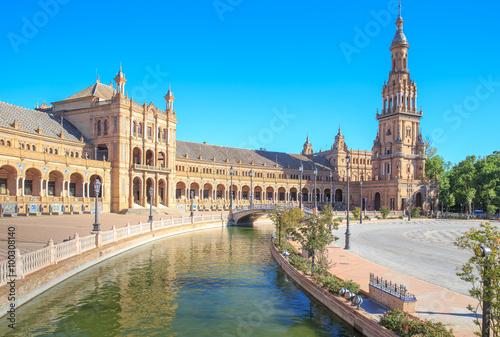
(405, 325)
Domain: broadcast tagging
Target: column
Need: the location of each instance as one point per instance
(83, 190)
(88, 190)
(22, 191)
(64, 188)
(41, 187)
(17, 186)
(416, 106)
(47, 187)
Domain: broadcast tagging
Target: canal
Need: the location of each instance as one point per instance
(218, 282)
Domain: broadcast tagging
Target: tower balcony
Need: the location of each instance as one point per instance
(400, 70)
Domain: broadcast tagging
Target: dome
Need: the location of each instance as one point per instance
(399, 38)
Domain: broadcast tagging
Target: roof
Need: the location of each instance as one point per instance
(221, 153)
(30, 120)
(95, 90)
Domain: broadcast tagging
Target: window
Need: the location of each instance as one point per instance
(164, 135)
(245, 195)
(115, 124)
(177, 193)
(205, 194)
(52, 188)
(140, 130)
(269, 195)
(98, 128)
(134, 129)
(105, 127)
(257, 195)
(3, 186)
(149, 132)
(219, 194)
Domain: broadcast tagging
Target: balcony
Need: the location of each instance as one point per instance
(151, 168)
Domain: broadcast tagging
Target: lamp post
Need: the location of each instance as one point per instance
(251, 189)
(410, 191)
(331, 191)
(315, 196)
(97, 188)
(347, 232)
(361, 208)
(192, 199)
(231, 172)
(301, 169)
(151, 191)
(485, 252)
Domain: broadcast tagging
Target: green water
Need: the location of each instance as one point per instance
(219, 282)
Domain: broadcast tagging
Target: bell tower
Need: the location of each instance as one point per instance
(398, 150)
(307, 149)
(120, 82)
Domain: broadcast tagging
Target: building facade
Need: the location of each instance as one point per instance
(51, 157)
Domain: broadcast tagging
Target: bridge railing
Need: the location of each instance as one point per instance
(18, 266)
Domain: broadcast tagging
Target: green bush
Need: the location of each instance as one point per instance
(356, 212)
(491, 209)
(404, 325)
(415, 211)
(385, 211)
(300, 263)
(288, 247)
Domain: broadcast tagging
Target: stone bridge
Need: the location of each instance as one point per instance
(247, 215)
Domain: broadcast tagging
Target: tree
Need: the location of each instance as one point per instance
(315, 234)
(480, 269)
(385, 211)
(356, 212)
(286, 221)
(464, 181)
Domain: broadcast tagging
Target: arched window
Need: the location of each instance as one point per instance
(105, 127)
(99, 128)
(140, 129)
(55, 151)
(33, 148)
(134, 129)
(164, 135)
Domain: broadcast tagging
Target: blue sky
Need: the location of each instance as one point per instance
(254, 73)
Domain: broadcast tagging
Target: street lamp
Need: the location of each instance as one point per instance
(251, 189)
(151, 191)
(315, 195)
(347, 232)
(97, 188)
(485, 252)
(410, 191)
(361, 208)
(331, 193)
(301, 170)
(231, 172)
(192, 199)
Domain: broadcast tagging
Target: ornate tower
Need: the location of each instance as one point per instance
(169, 99)
(398, 150)
(120, 83)
(307, 147)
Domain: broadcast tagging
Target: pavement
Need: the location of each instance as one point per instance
(434, 302)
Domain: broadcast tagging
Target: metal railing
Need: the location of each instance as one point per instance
(394, 289)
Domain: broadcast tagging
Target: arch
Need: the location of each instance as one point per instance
(139, 129)
(257, 193)
(180, 190)
(33, 182)
(377, 201)
(99, 127)
(162, 159)
(102, 152)
(281, 194)
(8, 143)
(317, 194)
(55, 184)
(305, 194)
(106, 125)
(8, 180)
(194, 190)
(235, 191)
(338, 195)
(134, 128)
(269, 193)
(245, 192)
(137, 190)
(150, 158)
(2, 142)
(137, 156)
(207, 191)
(418, 200)
(76, 185)
(293, 194)
(150, 182)
(327, 195)
(220, 191)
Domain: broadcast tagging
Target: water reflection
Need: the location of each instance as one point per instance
(221, 282)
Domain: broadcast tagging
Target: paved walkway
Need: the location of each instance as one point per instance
(33, 232)
(433, 302)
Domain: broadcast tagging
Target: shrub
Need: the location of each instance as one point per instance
(385, 211)
(300, 263)
(404, 325)
(356, 212)
(288, 247)
(415, 211)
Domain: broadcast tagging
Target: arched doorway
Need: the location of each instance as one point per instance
(102, 152)
(162, 191)
(293, 194)
(327, 196)
(418, 200)
(137, 155)
(180, 190)
(220, 191)
(150, 196)
(8, 180)
(269, 193)
(194, 191)
(150, 159)
(162, 161)
(245, 192)
(75, 185)
(55, 184)
(377, 201)
(207, 191)
(305, 194)
(338, 195)
(33, 182)
(281, 194)
(257, 193)
(137, 190)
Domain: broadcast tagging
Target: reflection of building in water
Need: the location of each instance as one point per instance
(51, 156)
